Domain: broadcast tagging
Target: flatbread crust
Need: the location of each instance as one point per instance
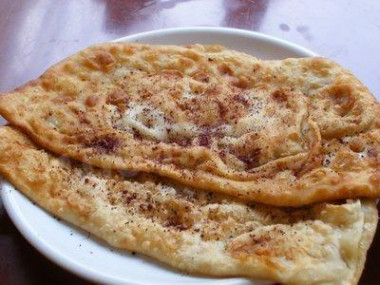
(369, 230)
(285, 133)
(192, 230)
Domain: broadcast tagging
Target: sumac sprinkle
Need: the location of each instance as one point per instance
(222, 109)
(252, 160)
(130, 198)
(241, 99)
(204, 140)
(106, 143)
(183, 141)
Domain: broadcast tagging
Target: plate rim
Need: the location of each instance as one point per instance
(222, 30)
(7, 188)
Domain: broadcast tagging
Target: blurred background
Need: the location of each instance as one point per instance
(37, 33)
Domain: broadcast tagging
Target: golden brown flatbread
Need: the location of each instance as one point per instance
(284, 133)
(194, 230)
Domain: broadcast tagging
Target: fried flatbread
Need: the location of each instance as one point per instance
(285, 133)
(193, 230)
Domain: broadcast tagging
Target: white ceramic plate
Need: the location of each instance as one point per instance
(89, 257)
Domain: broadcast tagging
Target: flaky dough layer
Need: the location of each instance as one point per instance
(194, 230)
(285, 133)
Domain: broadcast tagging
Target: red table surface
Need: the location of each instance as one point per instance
(36, 33)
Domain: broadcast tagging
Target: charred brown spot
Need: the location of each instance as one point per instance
(240, 82)
(48, 82)
(213, 90)
(91, 101)
(280, 96)
(357, 145)
(105, 59)
(100, 60)
(225, 69)
(342, 98)
(201, 76)
(117, 97)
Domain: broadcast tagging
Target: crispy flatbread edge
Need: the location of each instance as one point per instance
(200, 180)
(369, 229)
(210, 182)
(368, 207)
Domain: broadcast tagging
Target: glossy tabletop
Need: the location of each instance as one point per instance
(37, 33)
